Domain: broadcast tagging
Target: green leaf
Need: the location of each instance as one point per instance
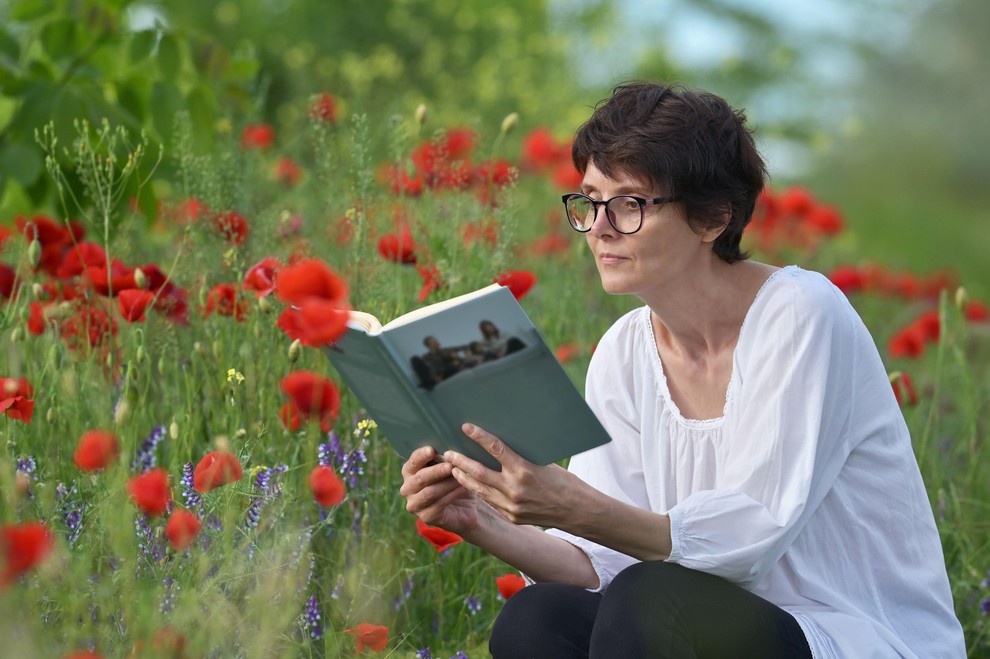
(202, 112)
(142, 44)
(58, 38)
(8, 45)
(23, 162)
(29, 10)
(169, 58)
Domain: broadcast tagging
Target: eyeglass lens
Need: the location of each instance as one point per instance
(624, 213)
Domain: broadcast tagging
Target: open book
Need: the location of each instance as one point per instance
(474, 358)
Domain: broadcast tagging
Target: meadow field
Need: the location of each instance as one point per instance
(183, 474)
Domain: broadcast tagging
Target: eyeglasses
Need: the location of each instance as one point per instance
(624, 213)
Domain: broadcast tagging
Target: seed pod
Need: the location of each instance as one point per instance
(421, 113)
(264, 305)
(140, 280)
(173, 430)
(295, 348)
(961, 297)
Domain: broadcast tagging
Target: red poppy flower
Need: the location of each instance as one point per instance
(287, 171)
(509, 584)
(847, 279)
(540, 150)
(257, 136)
(326, 486)
(96, 450)
(976, 312)
(372, 636)
(432, 280)
(215, 469)
(223, 299)
(929, 325)
(8, 275)
(825, 219)
(517, 281)
(565, 352)
(182, 528)
(310, 278)
(796, 200)
(80, 257)
(908, 342)
(566, 176)
(232, 226)
(166, 642)
(483, 232)
(315, 396)
(53, 237)
(457, 143)
(550, 243)
(496, 172)
(290, 416)
(398, 246)
(151, 492)
(440, 538)
(318, 297)
(133, 303)
(904, 390)
(260, 277)
(22, 548)
(323, 108)
(15, 399)
(119, 278)
(190, 210)
(89, 324)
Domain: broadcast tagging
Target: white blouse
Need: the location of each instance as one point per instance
(805, 491)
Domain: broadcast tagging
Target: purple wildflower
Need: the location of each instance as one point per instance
(150, 543)
(425, 653)
(460, 655)
(331, 452)
(407, 589)
(144, 458)
(70, 511)
(985, 607)
(189, 494)
(170, 586)
(312, 622)
(352, 466)
(472, 604)
(27, 465)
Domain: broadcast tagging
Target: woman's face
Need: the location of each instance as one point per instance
(652, 259)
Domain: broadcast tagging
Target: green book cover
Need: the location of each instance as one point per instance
(475, 358)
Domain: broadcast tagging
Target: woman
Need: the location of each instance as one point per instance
(760, 496)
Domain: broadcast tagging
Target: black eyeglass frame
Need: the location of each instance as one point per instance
(643, 203)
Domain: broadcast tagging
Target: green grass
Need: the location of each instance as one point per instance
(241, 589)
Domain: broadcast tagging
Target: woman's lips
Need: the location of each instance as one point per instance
(610, 259)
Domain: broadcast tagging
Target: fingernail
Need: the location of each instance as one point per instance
(447, 456)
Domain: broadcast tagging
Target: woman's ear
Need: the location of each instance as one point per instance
(709, 234)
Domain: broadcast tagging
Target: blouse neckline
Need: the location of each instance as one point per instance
(664, 391)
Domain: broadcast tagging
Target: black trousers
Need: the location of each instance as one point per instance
(651, 609)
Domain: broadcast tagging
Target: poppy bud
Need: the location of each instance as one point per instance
(161, 364)
(34, 253)
(421, 113)
(173, 430)
(240, 434)
(198, 348)
(140, 280)
(961, 297)
(510, 122)
(139, 356)
(37, 290)
(122, 411)
(216, 349)
(264, 305)
(16, 335)
(50, 415)
(294, 349)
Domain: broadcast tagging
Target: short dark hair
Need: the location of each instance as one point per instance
(687, 143)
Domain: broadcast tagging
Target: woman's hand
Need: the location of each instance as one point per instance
(522, 493)
(434, 496)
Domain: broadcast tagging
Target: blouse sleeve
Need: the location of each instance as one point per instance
(786, 437)
(615, 468)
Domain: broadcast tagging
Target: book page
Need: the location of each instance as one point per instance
(437, 307)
